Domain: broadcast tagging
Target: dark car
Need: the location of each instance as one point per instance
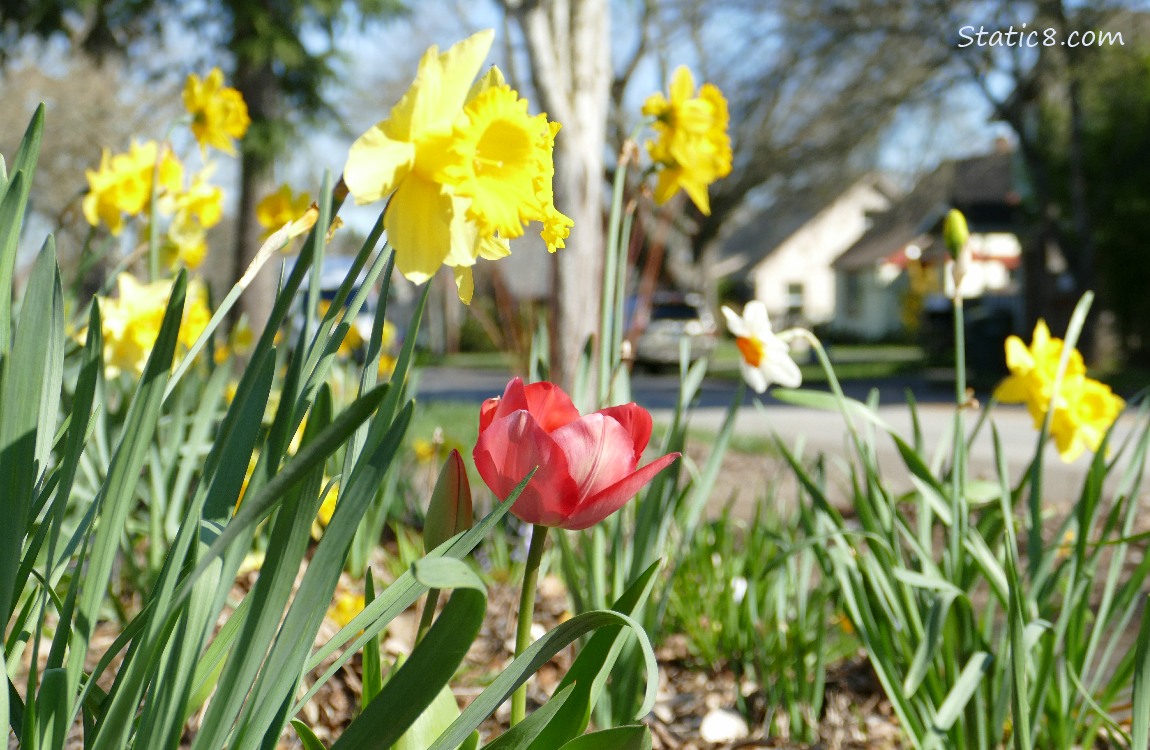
(675, 318)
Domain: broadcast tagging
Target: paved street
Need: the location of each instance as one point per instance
(824, 431)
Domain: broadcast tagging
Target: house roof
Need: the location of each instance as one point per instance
(980, 187)
(756, 239)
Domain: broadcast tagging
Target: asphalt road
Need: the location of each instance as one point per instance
(824, 431)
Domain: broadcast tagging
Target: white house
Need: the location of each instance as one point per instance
(785, 254)
(875, 288)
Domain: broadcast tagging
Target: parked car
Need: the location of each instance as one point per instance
(675, 318)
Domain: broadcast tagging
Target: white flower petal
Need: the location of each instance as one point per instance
(756, 318)
(754, 377)
(734, 323)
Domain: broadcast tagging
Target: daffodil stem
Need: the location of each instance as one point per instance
(958, 470)
(832, 380)
(613, 267)
(526, 613)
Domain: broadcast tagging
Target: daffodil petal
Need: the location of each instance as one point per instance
(465, 284)
(418, 224)
(735, 323)
(376, 164)
(1012, 390)
(442, 84)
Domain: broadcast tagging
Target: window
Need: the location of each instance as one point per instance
(795, 297)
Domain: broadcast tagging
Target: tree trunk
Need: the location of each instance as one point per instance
(568, 44)
(257, 84)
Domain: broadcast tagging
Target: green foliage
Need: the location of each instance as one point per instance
(130, 512)
(749, 597)
(974, 644)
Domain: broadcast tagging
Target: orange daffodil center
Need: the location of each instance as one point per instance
(752, 350)
(464, 163)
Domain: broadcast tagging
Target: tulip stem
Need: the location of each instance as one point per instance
(526, 611)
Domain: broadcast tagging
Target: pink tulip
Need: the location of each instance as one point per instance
(587, 465)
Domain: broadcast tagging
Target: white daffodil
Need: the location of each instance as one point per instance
(765, 358)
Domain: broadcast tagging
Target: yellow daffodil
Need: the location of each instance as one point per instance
(123, 184)
(326, 510)
(465, 165)
(185, 244)
(1032, 371)
(131, 321)
(1084, 408)
(219, 114)
(345, 607)
(202, 202)
(327, 507)
(692, 148)
(765, 358)
(279, 208)
(240, 340)
(505, 164)
(424, 450)
(255, 458)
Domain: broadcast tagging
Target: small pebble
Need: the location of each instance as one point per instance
(721, 725)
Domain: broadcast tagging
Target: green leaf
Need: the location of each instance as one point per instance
(31, 395)
(588, 674)
(372, 666)
(12, 206)
(255, 508)
(286, 548)
(522, 735)
(429, 668)
(830, 402)
(434, 720)
(7, 689)
(1140, 732)
(265, 713)
(636, 737)
(535, 656)
(963, 689)
(118, 490)
(306, 736)
(398, 597)
(932, 641)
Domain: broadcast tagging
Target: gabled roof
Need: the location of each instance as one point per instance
(980, 187)
(756, 239)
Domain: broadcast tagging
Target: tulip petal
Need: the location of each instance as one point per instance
(636, 420)
(551, 407)
(614, 497)
(599, 452)
(506, 452)
(547, 403)
(487, 412)
(514, 399)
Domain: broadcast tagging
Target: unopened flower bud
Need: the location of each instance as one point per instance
(955, 232)
(449, 511)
